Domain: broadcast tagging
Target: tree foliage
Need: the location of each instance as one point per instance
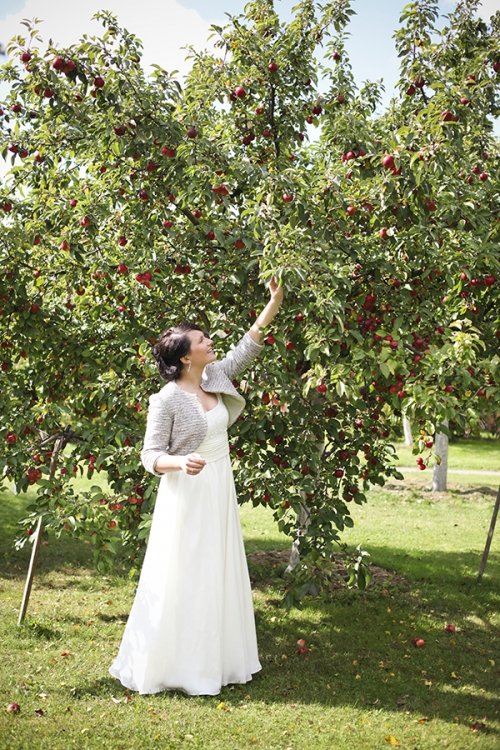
(133, 201)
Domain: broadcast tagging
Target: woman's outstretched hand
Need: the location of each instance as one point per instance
(275, 290)
(269, 312)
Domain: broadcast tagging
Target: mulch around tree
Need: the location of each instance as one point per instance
(267, 565)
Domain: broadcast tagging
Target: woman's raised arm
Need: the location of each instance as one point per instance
(268, 313)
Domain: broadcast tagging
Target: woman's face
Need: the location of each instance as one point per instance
(201, 352)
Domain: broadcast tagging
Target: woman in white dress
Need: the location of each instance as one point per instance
(191, 626)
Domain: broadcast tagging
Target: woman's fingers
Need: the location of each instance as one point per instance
(194, 463)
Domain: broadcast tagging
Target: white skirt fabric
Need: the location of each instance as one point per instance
(191, 626)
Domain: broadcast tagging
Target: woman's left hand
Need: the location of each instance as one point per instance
(276, 291)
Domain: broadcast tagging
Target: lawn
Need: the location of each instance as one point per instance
(363, 684)
(473, 454)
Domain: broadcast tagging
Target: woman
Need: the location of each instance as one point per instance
(192, 625)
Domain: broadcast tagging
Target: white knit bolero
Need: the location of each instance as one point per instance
(177, 422)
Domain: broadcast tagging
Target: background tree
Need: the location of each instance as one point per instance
(133, 201)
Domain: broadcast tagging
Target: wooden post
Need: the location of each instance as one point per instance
(407, 432)
(59, 444)
(29, 578)
(486, 552)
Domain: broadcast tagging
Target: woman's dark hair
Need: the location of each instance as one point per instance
(172, 344)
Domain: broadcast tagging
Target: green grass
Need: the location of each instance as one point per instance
(362, 683)
(473, 454)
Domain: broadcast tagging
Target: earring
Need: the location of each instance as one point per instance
(189, 368)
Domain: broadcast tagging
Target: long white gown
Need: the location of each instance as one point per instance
(191, 626)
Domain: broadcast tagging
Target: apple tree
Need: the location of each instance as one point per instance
(133, 201)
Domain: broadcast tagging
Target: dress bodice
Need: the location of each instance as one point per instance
(215, 443)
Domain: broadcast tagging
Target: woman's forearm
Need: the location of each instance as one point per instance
(266, 316)
(166, 463)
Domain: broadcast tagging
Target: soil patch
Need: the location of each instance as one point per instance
(267, 565)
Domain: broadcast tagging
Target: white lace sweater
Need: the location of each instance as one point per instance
(177, 422)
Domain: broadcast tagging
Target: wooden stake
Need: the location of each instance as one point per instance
(29, 578)
(59, 444)
(486, 552)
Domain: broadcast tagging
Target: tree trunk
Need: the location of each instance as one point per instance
(304, 517)
(439, 478)
(407, 432)
(294, 558)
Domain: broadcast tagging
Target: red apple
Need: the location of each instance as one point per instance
(220, 190)
(192, 132)
(85, 221)
(11, 438)
(388, 161)
(25, 56)
(122, 241)
(322, 388)
(98, 82)
(13, 708)
(73, 202)
(273, 67)
(349, 155)
(240, 92)
(122, 268)
(448, 116)
(287, 197)
(170, 152)
(302, 647)
(418, 642)
(58, 63)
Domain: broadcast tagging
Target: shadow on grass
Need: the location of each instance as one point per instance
(492, 492)
(39, 630)
(361, 655)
